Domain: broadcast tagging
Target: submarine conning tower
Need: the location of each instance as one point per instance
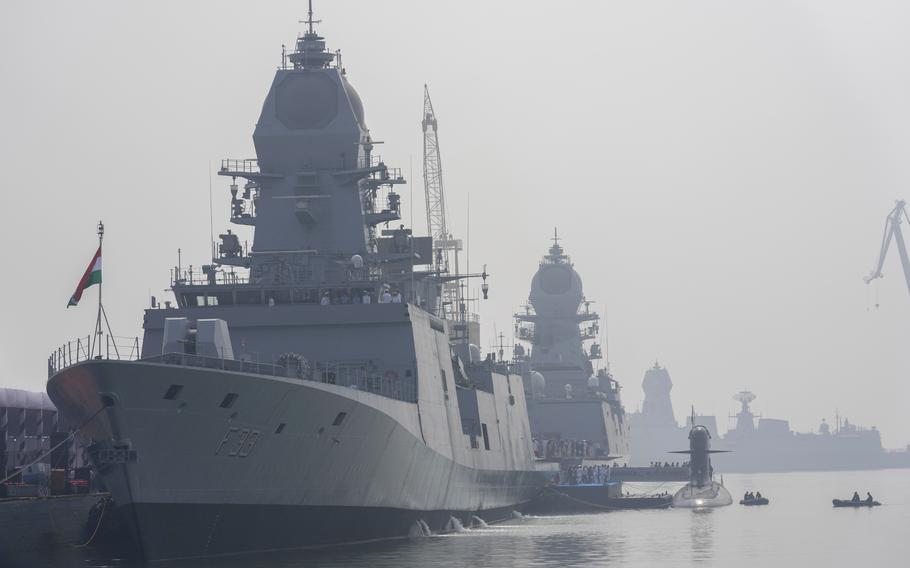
(559, 323)
(315, 193)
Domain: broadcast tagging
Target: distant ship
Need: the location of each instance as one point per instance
(575, 409)
(319, 395)
(769, 445)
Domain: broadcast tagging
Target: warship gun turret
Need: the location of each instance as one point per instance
(575, 409)
(304, 390)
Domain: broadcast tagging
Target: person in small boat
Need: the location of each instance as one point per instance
(758, 494)
(746, 496)
(855, 497)
(869, 498)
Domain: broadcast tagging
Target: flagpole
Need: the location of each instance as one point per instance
(98, 331)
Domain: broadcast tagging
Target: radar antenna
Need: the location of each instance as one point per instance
(309, 20)
(893, 233)
(744, 398)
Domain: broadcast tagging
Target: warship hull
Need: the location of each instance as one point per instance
(289, 464)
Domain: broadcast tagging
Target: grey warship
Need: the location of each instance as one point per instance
(307, 390)
(576, 411)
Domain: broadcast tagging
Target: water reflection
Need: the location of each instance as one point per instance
(702, 533)
(798, 528)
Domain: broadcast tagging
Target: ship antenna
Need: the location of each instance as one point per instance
(310, 21)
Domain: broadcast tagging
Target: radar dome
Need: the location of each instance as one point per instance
(356, 103)
(556, 288)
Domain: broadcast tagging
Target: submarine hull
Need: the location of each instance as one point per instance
(713, 495)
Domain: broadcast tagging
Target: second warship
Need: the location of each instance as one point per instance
(575, 409)
(309, 390)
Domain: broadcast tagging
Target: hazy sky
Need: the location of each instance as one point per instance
(720, 171)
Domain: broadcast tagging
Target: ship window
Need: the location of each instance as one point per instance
(280, 428)
(173, 392)
(486, 437)
(445, 384)
(229, 400)
(339, 419)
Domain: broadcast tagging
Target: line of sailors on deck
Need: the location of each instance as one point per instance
(363, 297)
(668, 464)
(581, 475)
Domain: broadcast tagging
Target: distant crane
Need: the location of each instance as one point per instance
(893, 232)
(452, 306)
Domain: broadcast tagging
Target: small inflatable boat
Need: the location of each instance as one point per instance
(754, 501)
(852, 503)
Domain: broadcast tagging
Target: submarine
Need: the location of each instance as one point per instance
(701, 491)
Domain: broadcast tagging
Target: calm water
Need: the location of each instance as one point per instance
(798, 528)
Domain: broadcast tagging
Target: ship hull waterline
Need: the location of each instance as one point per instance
(288, 464)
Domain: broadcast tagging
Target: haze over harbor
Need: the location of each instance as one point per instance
(721, 173)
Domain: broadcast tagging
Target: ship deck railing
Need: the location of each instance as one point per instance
(246, 166)
(355, 374)
(94, 346)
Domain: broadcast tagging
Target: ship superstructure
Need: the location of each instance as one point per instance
(575, 408)
(305, 390)
(654, 428)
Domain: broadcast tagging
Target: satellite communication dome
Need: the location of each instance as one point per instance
(593, 382)
(357, 261)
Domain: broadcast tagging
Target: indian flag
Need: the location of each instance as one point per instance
(92, 276)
